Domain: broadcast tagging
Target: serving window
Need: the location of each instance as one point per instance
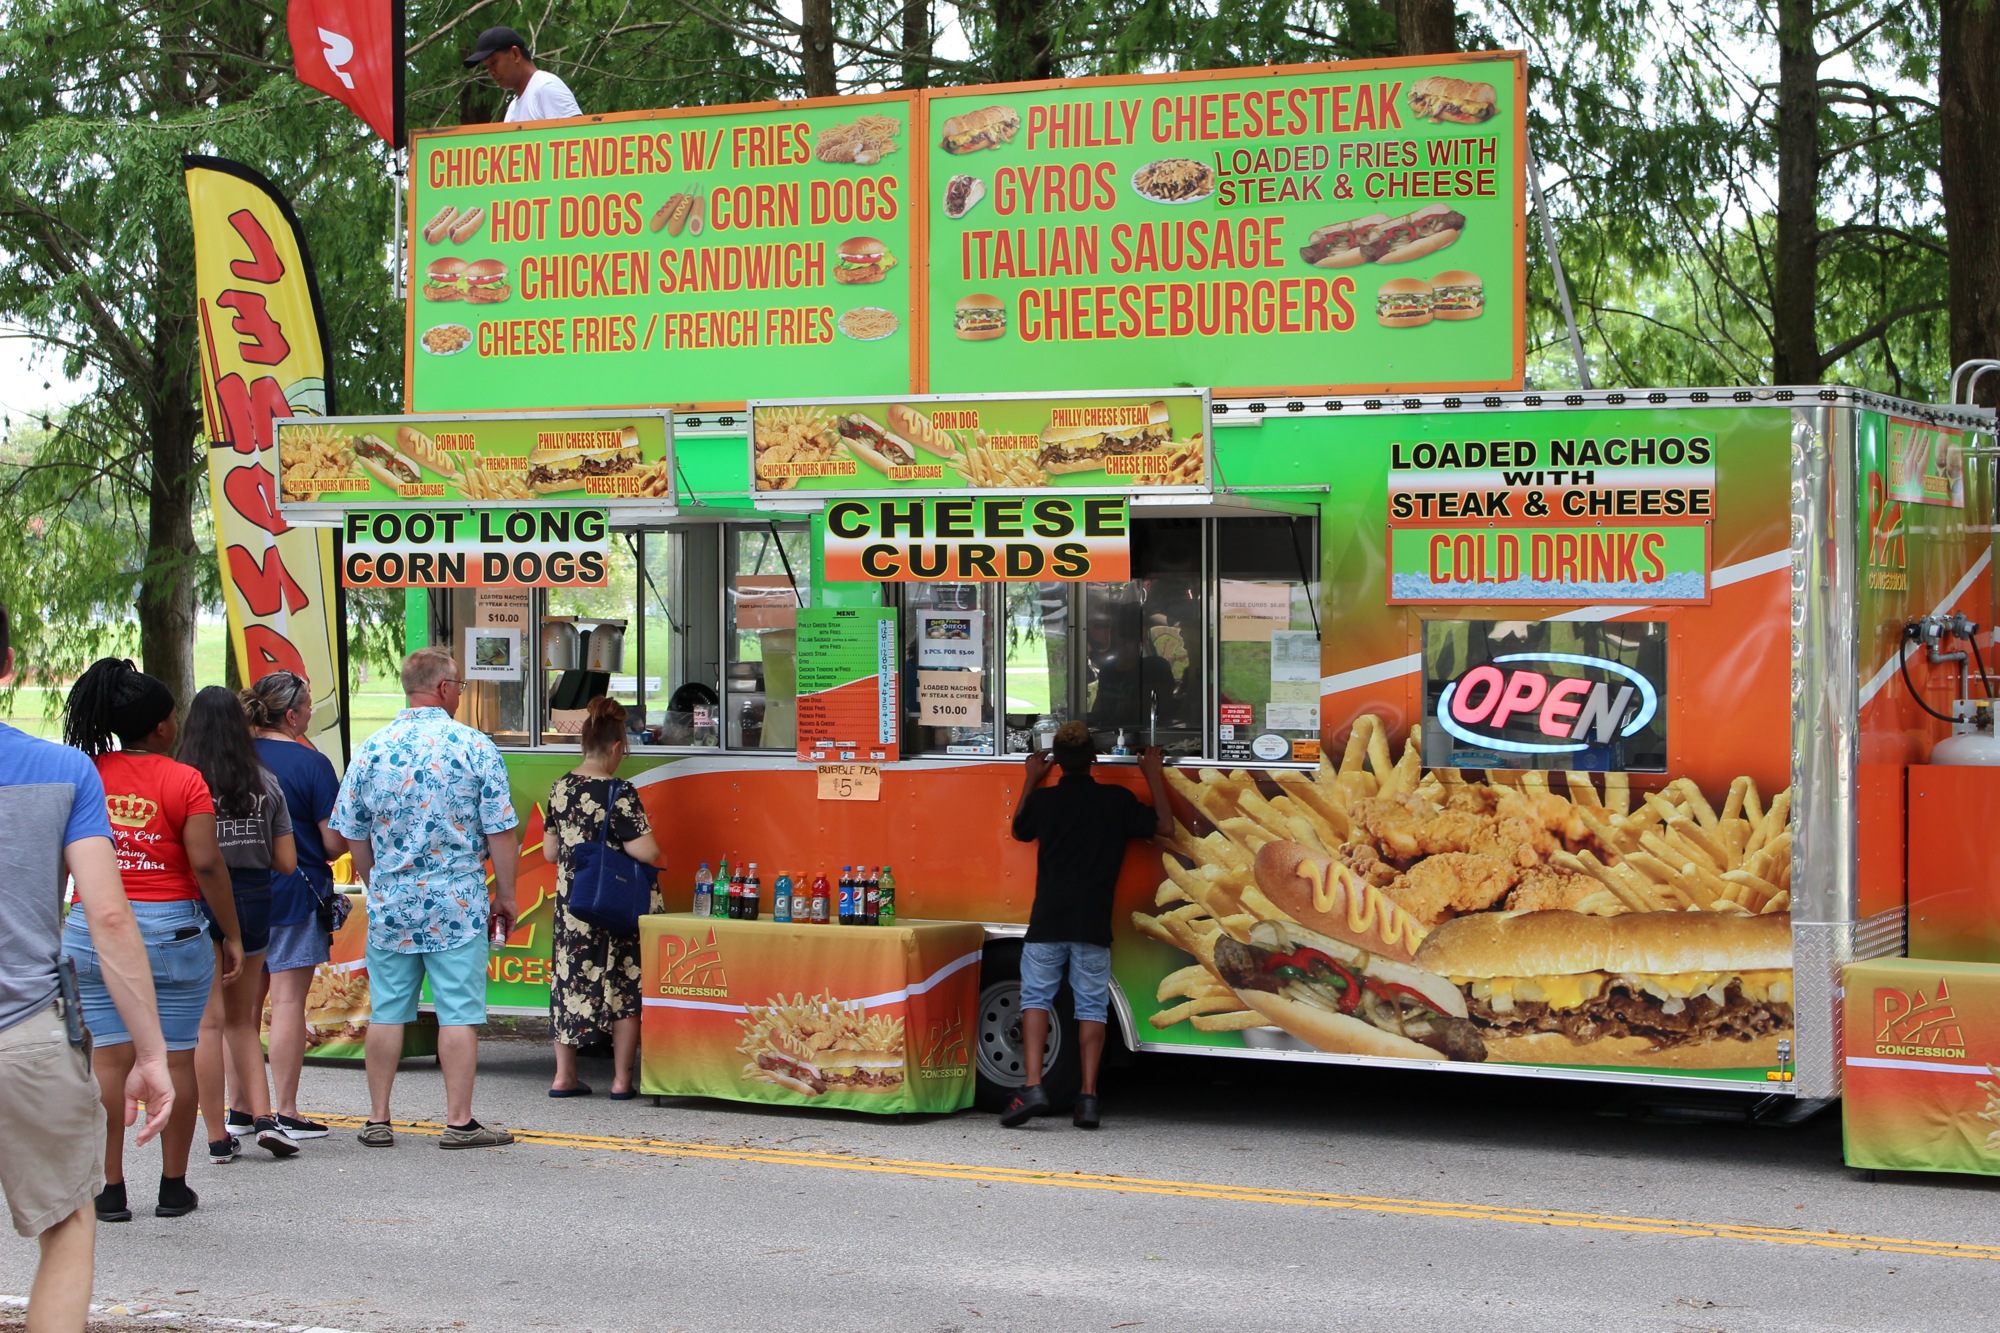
(1211, 645)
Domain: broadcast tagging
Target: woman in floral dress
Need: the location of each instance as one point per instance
(596, 986)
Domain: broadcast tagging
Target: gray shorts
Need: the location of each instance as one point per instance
(51, 1122)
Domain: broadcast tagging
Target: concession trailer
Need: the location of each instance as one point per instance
(854, 445)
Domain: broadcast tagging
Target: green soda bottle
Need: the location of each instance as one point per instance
(886, 911)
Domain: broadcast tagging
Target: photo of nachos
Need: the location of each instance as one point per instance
(787, 437)
(310, 452)
(863, 142)
(1375, 908)
(1174, 180)
(820, 1045)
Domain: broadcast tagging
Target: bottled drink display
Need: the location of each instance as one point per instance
(704, 890)
(781, 898)
(863, 896)
(885, 911)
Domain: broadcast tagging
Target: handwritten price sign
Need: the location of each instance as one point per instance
(850, 782)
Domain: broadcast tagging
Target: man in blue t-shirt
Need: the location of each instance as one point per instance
(53, 821)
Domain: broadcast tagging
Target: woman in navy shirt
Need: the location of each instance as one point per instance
(279, 707)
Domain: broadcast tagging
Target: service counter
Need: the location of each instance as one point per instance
(1922, 1049)
(863, 1018)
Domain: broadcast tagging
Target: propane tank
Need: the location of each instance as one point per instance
(1972, 741)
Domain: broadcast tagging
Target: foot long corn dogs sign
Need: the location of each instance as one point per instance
(1309, 227)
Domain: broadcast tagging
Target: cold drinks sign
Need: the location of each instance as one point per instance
(1598, 515)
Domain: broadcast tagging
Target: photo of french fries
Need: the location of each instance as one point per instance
(657, 480)
(1441, 844)
(1183, 466)
(999, 469)
(1991, 1115)
(483, 483)
(811, 1045)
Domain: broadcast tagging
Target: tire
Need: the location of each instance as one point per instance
(997, 1056)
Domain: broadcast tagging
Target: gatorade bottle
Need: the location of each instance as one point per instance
(871, 903)
(885, 912)
(847, 895)
(802, 911)
(821, 909)
(751, 889)
(704, 890)
(781, 899)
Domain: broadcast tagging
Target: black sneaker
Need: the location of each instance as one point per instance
(224, 1150)
(1024, 1104)
(1084, 1116)
(239, 1124)
(176, 1199)
(111, 1205)
(272, 1139)
(299, 1130)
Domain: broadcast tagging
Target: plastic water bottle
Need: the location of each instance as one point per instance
(781, 899)
(704, 890)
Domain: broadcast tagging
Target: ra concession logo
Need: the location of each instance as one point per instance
(1566, 701)
(1907, 1023)
(692, 969)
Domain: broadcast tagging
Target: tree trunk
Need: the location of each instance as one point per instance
(816, 50)
(917, 43)
(1023, 45)
(1795, 285)
(1969, 115)
(1425, 27)
(166, 603)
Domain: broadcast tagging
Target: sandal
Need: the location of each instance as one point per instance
(580, 1090)
(377, 1134)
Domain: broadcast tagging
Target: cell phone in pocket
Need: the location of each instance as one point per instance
(72, 1000)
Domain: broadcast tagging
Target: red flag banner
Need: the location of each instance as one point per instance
(352, 50)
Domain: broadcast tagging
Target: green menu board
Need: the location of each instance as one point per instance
(848, 660)
(669, 257)
(1354, 226)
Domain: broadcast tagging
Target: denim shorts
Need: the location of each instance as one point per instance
(183, 970)
(301, 944)
(457, 977)
(1089, 977)
(253, 920)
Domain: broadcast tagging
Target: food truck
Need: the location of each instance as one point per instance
(854, 445)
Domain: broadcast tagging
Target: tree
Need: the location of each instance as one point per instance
(1969, 115)
(93, 216)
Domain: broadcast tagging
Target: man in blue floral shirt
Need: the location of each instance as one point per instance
(423, 806)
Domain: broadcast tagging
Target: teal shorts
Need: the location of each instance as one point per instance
(458, 984)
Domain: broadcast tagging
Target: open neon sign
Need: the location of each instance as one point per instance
(1573, 712)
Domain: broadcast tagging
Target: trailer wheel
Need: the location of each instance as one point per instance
(998, 1059)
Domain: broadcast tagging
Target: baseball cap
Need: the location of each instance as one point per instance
(493, 41)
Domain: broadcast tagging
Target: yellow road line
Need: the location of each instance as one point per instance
(1003, 1175)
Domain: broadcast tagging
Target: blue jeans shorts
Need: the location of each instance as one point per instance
(458, 984)
(300, 944)
(183, 966)
(1089, 978)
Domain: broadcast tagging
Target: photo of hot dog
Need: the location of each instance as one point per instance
(873, 443)
(1339, 246)
(413, 443)
(387, 466)
(440, 224)
(1324, 895)
(918, 429)
(674, 213)
(466, 225)
(1412, 236)
(1341, 998)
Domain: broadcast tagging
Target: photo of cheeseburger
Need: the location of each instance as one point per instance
(1456, 294)
(486, 282)
(862, 259)
(444, 280)
(981, 317)
(1404, 303)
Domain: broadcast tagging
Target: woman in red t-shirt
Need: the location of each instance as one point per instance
(163, 821)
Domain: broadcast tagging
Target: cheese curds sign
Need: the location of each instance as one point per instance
(980, 539)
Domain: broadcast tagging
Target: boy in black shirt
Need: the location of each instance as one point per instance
(1082, 826)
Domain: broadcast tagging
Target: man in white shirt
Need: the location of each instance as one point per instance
(538, 94)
